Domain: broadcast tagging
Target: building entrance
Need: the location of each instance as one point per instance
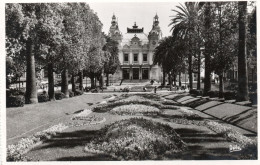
(135, 73)
(145, 73)
(125, 73)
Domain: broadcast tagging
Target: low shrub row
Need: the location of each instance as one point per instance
(15, 101)
(229, 95)
(16, 98)
(196, 92)
(14, 92)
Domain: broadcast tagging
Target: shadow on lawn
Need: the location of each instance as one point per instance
(200, 146)
(69, 139)
(96, 157)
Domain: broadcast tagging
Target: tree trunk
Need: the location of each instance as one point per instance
(64, 82)
(92, 80)
(179, 79)
(51, 92)
(20, 80)
(95, 82)
(81, 80)
(86, 81)
(107, 82)
(242, 93)
(163, 81)
(207, 79)
(170, 81)
(31, 89)
(190, 71)
(73, 83)
(100, 81)
(198, 81)
(169, 77)
(174, 79)
(221, 86)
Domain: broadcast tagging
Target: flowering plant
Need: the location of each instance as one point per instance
(135, 109)
(15, 151)
(137, 139)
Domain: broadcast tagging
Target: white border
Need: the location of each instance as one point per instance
(3, 106)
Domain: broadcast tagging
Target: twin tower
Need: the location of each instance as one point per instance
(153, 37)
(136, 51)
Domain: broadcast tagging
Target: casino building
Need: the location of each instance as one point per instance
(136, 51)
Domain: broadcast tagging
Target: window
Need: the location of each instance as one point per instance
(144, 57)
(135, 57)
(125, 57)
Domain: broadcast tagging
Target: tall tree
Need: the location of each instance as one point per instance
(225, 39)
(242, 94)
(207, 27)
(112, 63)
(20, 25)
(185, 24)
(170, 54)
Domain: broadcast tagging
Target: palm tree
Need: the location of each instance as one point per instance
(161, 55)
(242, 94)
(207, 20)
(184, 25)
(169, 54)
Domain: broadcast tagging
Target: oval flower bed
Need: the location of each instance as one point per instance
(131, 99)
(137, 139)
(135, 109)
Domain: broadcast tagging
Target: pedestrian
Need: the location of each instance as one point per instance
(155, 88)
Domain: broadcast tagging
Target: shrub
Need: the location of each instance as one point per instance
(71, 94)
(59, 96)
(213, 94)
(196, 92)
(15, 101)
(96, 90)
(44, 97)
(230, 95)
(126, 89)
(253, 97)
(78, 92)
(14, 92)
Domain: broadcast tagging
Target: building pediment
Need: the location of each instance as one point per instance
(126, 46)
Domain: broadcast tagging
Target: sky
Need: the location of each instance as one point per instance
(140, 12)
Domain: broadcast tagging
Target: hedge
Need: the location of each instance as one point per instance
(59, 96)
(15, 101)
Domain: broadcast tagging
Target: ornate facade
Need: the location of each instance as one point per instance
(136, 51)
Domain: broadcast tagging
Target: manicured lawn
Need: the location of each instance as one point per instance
(32, 118)
(96, 136)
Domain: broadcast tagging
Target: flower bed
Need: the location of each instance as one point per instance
(126, 100)
(248, 146)
(137, 139)
(87, 120)
(135, 109)
(15, 152)
(229, 133)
